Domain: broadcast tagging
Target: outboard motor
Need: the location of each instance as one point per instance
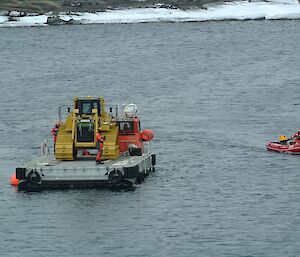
(33, 177)
(32, 182)
(134, 150)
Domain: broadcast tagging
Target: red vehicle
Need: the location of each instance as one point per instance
(130, 134)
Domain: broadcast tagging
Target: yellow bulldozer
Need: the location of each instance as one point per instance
(79, 129)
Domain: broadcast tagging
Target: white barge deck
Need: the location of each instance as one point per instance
(49, 173)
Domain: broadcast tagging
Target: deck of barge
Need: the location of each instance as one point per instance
(47, 172)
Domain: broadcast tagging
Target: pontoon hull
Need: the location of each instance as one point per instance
(48, 173)
(281, 148)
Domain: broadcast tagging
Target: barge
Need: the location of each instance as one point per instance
(124, 150)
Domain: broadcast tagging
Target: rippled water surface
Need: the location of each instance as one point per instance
(213, 93)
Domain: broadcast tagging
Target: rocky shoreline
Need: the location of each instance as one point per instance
(158, 12)
(14, 10)
(77, 6)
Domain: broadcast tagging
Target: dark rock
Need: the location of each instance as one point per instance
(11, 18)
(55, 20)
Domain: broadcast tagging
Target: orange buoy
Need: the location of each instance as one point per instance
(13, 180)
(147, 135)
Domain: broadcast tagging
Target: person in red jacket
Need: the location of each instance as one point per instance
(296, 136)
(54, 133)
(99, 145)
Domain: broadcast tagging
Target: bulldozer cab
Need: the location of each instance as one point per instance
(86, 123)
(85, 107)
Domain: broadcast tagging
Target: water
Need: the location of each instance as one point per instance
(213, 93)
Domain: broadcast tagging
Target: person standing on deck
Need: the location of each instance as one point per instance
(99, 145)
(54, 133)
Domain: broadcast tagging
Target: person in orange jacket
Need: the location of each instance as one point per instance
(296, 137)
(54, 133)
(99, 145)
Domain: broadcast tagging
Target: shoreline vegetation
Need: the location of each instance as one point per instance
(9, 7)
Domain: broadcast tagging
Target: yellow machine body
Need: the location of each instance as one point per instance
(79, 129)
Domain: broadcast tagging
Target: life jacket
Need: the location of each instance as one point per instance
(99, 137)
(297, 135)
(55, 131)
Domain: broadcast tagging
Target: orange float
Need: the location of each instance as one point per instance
(147, 135)
(13, 180)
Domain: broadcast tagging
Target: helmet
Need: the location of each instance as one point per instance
(282, 138)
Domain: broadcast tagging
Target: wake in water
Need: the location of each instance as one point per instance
(277, 9)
